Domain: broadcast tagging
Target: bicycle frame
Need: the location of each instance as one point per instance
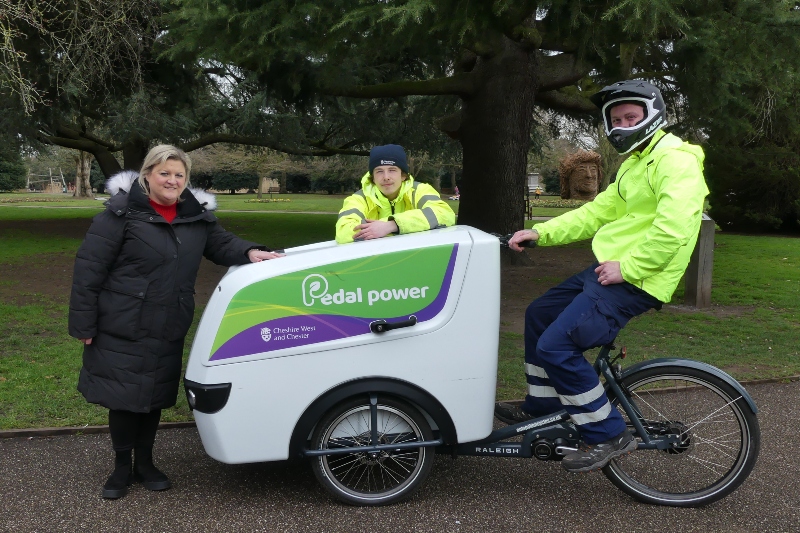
(546, 437)
(552, 436)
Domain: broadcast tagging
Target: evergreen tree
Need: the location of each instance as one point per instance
(337, 76)
(12, 171)
(752, 125)
(492, 63)
(551, 181)
(92, 76)
(233, 181)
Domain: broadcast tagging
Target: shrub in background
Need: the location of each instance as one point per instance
(12, 171)
(754, 188)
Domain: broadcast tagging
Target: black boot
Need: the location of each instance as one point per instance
(117, 485)
(146, 472)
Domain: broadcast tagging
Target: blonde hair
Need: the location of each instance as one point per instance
(159, 155)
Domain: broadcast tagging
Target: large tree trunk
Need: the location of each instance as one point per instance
(282, 189)
(83, 183)
(494, 132)
(133, 153)
(436, 181)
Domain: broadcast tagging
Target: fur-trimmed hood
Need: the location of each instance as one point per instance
(122, 181)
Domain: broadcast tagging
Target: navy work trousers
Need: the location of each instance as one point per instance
(570, 318)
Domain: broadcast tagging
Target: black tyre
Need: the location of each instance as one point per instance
(719, 444)
(381, 478)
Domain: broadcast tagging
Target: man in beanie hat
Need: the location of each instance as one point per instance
(390, 201)
(643, 228)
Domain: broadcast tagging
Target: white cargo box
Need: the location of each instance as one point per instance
(281, 339)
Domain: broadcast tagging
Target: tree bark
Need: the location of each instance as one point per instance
(133, 153)
(437, 182)
(83, 184)
(283, 183)
(495, 131)
(68, 138)
(108, 163)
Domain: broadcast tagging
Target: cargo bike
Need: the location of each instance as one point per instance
(368, 359)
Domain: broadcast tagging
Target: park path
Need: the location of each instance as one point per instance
(52, 484)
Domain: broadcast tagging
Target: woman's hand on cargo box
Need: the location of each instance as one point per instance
(256, 256)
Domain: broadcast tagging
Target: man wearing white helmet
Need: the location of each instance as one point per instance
(643, 228)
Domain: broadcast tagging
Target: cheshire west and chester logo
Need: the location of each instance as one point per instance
(266, 334)
(315, 288)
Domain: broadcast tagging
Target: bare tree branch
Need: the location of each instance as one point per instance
(565, 101)
(108, 163)
(267, 143)
(78, 135)
(561, 70)
(111, 147)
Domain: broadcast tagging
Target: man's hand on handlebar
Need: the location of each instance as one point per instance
(518, 240)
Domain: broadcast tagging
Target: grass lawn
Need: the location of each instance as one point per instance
(316, 203)
(751, 332)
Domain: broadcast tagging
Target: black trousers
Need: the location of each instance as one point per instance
(133, 430)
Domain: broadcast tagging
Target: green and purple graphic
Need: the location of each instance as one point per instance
(335, 301)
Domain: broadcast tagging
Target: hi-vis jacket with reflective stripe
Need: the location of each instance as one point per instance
(648, 219)
(417, 207)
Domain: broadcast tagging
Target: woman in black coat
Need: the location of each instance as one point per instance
(132, 302)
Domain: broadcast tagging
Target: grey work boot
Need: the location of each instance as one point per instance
(510, 414)
(595, 456)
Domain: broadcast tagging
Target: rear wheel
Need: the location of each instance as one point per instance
(372, 478)
(719, 438)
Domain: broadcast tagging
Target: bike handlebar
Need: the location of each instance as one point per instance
(504, 241)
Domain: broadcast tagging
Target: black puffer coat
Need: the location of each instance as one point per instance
(133, 294)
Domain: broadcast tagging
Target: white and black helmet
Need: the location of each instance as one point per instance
(634, 91)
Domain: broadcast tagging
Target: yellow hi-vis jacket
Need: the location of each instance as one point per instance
(417, 207)
(648, 219)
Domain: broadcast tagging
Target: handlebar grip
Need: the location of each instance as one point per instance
(504, 241)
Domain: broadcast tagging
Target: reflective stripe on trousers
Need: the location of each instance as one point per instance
(567, 320)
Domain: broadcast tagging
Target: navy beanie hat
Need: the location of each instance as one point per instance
(388, 154)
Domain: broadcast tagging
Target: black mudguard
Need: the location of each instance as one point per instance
(697, 365)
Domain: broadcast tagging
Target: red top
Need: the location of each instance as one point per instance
(169, 212)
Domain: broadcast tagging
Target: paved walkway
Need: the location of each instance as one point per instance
(53, 484)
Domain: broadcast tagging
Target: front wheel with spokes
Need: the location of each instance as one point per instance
(372, 478)
(719, 438)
